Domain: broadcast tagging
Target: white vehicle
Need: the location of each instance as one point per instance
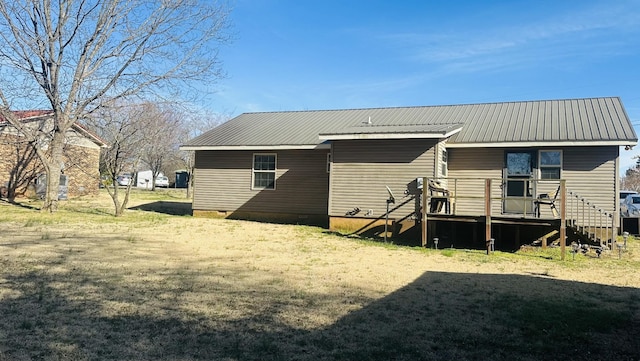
(625, 194)
(162, 181)
(123, 180)
(631, 206)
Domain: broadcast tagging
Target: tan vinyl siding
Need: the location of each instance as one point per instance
(223, 181)
(591, 173)
(362, 168)
(468, 167)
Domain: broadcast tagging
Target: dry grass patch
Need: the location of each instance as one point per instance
(82, 285)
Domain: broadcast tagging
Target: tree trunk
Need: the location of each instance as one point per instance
(190, 184)
(114, 192)
(114, 197)
(53, 164)
(123, 206)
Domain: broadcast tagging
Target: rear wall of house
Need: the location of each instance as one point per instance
(362, 169)
(589, 172)
(223, 184)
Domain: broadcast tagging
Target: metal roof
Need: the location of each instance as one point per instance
(571, 121)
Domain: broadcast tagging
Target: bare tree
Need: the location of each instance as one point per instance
(124, 128)
(74, 56)
(164, 123)
(631, 179)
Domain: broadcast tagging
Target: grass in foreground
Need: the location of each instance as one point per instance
(79, 285)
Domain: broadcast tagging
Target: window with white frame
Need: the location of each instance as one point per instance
(264, 171)
(444, 159)
(550, 164)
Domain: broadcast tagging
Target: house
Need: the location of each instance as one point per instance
(20, 168)
(335, 165)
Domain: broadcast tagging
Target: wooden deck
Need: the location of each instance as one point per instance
(509, 232)
(428, 217)
(492, 214)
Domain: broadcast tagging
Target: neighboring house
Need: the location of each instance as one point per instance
(20, 168)
(333, 165)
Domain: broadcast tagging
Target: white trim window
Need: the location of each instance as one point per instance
(263, 175)
(550, 164)
(444, 162)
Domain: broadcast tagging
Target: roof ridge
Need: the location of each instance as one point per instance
(429, 106)
(406, 125)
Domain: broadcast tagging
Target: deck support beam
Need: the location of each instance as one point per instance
(425, 232)
(563, 218)
(487, 213)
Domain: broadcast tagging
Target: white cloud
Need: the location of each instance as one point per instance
(592, 31)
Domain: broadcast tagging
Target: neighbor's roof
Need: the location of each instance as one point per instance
(27, 114)
(34, 115)
(590, 121)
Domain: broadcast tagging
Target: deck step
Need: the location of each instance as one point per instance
(545, 239)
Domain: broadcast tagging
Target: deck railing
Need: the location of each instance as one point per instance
(466, 196)
(593, 222)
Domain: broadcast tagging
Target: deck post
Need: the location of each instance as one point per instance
(563, 218)
(487, 213)
(425, 234)
(614, 231)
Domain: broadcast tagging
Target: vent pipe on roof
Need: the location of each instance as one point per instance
(368, 122)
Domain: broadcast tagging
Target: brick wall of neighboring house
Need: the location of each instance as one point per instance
(18, 164)
(81, 165)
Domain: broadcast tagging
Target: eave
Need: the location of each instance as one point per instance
(573, 143)
(399, 132)
(257, 147)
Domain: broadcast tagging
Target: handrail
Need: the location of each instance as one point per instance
(582, 214)
(593, 222)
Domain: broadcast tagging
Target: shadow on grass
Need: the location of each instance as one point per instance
(91, 210)
(166, 207)
(439, 316)
(377, 238)
(18, 204)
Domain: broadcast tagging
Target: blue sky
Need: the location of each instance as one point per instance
(304, 55)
